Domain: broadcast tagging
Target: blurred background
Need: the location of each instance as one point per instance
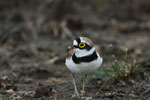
(34, 35)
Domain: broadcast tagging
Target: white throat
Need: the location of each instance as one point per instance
(82, 52)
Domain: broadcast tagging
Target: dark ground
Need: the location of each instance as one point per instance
(34, 39)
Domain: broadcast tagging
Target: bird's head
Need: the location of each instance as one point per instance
(83, 46)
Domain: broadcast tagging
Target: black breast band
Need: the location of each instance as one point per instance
(88, 58)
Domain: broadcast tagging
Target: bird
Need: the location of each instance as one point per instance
(82, 58)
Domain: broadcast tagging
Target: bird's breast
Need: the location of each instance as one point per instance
(83, 66)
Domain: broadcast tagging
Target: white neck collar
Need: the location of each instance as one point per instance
(82, 53)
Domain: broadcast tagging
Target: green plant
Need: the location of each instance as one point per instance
(122, 70)
(119, 70)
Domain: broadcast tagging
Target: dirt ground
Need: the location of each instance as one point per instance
(35, 69)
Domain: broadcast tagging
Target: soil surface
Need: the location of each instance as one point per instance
(33, 68)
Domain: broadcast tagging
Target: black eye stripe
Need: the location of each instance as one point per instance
(87, 47)
(76, 46)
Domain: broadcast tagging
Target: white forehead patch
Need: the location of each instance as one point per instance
(75, 42)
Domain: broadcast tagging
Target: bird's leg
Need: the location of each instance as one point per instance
(76, 93)
(83, 85)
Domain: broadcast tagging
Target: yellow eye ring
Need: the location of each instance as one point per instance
(82, 45)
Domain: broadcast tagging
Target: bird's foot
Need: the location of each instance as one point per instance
(76, 95)
(81, 98)
(86, 98)
(82, 92)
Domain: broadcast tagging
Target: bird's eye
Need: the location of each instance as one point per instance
(82, 45)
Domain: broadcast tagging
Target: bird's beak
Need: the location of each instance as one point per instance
(73, 47)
